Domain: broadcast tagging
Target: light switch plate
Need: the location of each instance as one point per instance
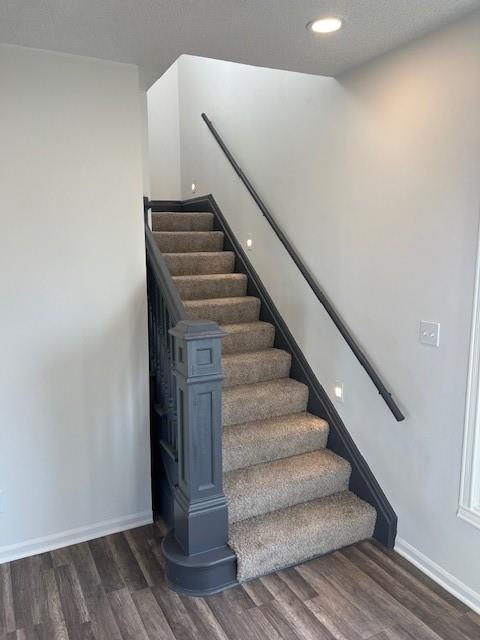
(430, 333)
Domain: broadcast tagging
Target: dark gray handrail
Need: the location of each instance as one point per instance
(163, 278)
(321, 296)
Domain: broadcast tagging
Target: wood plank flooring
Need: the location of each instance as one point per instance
(113, 588)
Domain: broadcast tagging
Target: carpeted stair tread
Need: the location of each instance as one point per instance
(255, 366)
(188, 241)
(253, 491)
(217, 285)
(247, 336)
(224, 310)
(176, 221)
(289, 536)
(261, 441)
(200, 262)
(249, 402)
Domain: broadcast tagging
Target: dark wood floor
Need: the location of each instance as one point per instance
(113, 588)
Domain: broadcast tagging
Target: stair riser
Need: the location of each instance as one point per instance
(247, 311)
(184, 264)
(182, 221)
(257, 453)
(295, 492)
(262, 370)
(254, 340)
(220, 288)
(241, 410)
(186, 242)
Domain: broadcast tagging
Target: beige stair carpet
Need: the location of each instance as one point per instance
(253, 491)
(252, 443)
(224, 310)
(289, 536)
(200, 263)
(288, 497)
(247, 336)
(215, 285)
(255, 366)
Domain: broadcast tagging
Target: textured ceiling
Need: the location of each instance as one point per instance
(271, 33)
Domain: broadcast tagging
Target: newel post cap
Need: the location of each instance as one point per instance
(196, 330)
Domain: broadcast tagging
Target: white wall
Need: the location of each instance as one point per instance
(146, 177)
(164, 136)
(74, 442)
(375, 179)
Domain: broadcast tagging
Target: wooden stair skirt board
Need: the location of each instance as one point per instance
(296, 485)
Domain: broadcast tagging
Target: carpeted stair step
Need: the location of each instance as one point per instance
(253, 443)
(182, 264)
(247, 336)
(249, 402)
(167, 221)
(256, 490)
(188, 241)
(218, 285)
(255, 366)
(224, 310)
(289, 536)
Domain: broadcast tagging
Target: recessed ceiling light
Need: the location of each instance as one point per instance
(325, 25)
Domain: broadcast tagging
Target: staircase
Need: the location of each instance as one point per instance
(288, 495)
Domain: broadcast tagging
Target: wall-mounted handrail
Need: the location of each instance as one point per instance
(321, 296)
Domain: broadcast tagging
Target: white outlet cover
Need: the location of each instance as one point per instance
(430, 333)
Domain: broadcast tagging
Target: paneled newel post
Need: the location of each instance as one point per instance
(198, 558)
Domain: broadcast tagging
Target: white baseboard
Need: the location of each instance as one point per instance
(73, 536)
(443, 578)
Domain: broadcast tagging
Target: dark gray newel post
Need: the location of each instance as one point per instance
(198, 558)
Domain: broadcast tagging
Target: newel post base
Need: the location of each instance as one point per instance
(199, 561)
